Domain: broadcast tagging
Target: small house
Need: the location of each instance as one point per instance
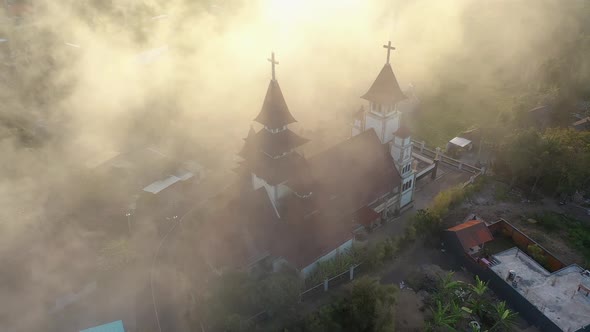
(458, 146)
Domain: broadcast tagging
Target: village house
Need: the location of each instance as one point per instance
(288, 209)
(551, 295)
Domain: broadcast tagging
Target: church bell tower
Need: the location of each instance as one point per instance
(384, 117)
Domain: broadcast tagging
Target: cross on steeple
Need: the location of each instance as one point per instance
(273, 62)
(389, 48)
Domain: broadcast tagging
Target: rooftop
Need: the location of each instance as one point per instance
(460, 141)
(472, 233)
(555, 294)
(385, 89)
(110, 327)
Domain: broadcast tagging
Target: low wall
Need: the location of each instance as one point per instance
(420, 147)
(512, 297)
(522, 241)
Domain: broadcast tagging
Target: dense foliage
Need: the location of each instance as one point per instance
(427, 222)
(339, 264)
(366, 307)
(493, 79)
(455, 305)
(556, 161)
(237, 298)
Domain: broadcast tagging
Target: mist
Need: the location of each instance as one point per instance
(77, 85)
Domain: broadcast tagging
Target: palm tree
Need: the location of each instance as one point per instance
(505, 318)
(476, 300)
(444, 318)
(447, 288)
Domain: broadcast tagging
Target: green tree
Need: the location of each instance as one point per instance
(476, 300)
(371, 303)
(367, 307)
(505, 318)
(280, 291)
(448, 289)
(444, 318)
(426, 221)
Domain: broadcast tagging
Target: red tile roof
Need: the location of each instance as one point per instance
(385, 89)
(274, 113)
(365, 216)
(472, 233)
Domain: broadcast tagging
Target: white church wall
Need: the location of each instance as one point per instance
(306, 271)
(406, 198)
(282, 191)
(355, 131)
(257, 182)
(395, 152)
(272, 191)
(391, 126)
(375, 122)
(407, 192)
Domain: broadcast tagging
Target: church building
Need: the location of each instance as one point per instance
(288, 209)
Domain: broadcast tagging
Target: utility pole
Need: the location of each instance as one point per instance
(128, 215)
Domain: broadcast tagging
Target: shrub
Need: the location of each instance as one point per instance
(426, 222)
(537, 253)
(338, 264)
(390, 248)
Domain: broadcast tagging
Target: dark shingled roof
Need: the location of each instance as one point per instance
(385, 89)
(275, 144)
(274, 113)
(248, 146)
(356, 172)
(275, 171)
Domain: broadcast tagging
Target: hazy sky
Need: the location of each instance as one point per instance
(209, 81)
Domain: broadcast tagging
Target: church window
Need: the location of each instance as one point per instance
(406, 168)
(407, 185)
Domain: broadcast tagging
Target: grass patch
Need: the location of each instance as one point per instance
(574, 232)
(501, 192)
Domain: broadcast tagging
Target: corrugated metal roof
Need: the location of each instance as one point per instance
(460, 141)
(110, 327)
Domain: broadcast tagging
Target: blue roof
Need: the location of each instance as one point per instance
(110, 327)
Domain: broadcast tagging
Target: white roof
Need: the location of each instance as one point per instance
(157, 186)
(150, 56)
(2, 40)
(460, 141)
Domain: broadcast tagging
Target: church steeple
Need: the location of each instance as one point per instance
(385, 91)
(274, 113)
(270, 154)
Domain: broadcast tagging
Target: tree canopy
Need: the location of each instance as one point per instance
(557, 160)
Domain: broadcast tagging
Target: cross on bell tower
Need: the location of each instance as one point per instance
(273, 62)
(389, 48)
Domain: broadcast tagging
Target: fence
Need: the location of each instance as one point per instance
(421, 146)
(334, 281)
(522, 241)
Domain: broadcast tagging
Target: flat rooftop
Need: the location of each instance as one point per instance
(555, 294)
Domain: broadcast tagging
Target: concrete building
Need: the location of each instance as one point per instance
(562, 296)
(556, 300)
